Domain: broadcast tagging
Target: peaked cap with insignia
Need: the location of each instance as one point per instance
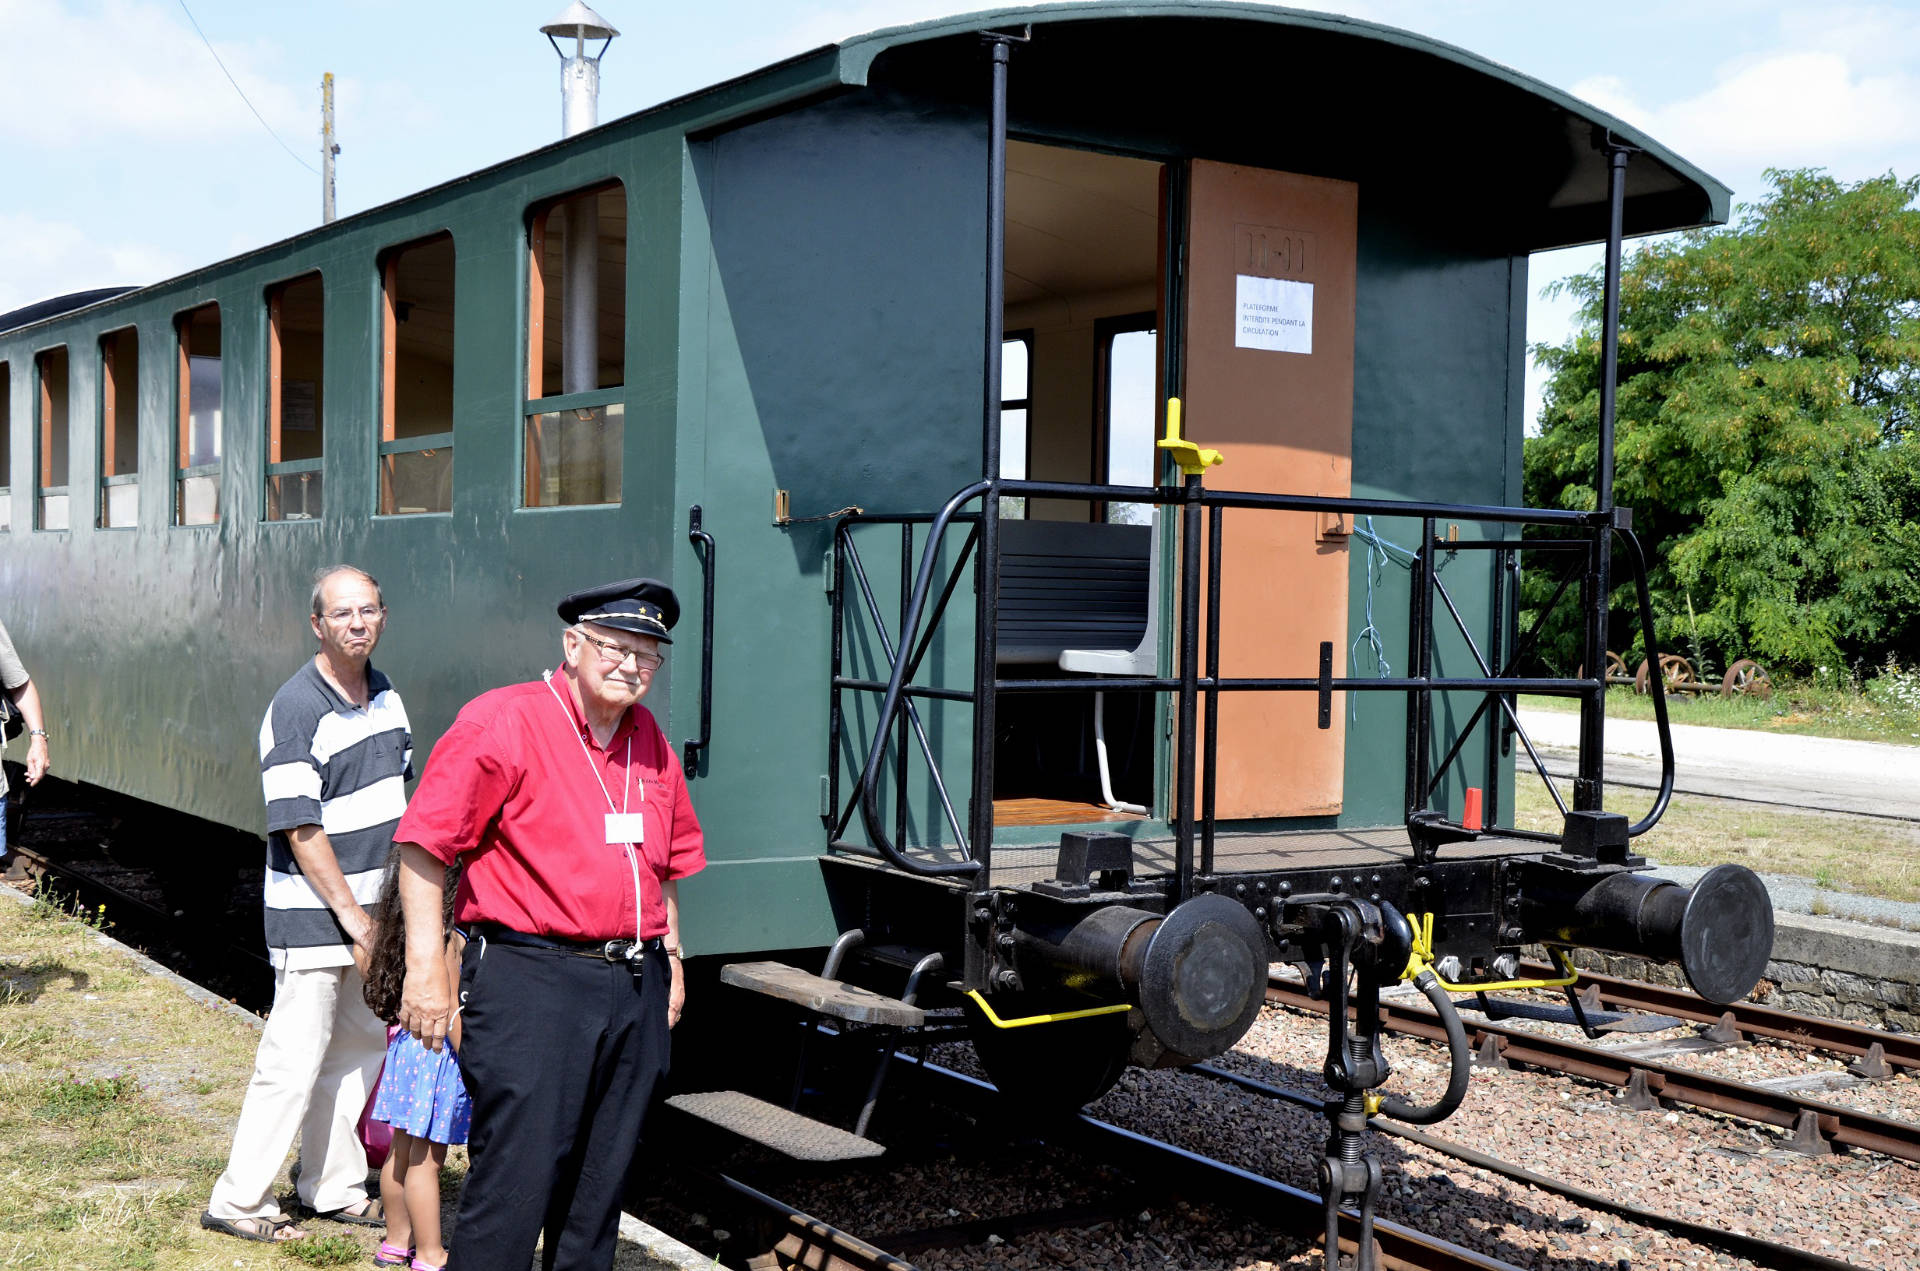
(644, 606)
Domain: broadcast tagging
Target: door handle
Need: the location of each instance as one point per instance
(690, 752)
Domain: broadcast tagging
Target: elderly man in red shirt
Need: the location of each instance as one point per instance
(573, 816)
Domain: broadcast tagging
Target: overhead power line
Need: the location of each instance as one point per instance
(243, 95)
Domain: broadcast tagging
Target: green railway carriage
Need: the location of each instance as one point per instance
(975, 255)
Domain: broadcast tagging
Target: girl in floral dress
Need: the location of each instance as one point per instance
(421, 1094)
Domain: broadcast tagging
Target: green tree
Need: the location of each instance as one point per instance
(1765, 431)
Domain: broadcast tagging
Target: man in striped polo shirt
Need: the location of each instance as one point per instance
(335, 753)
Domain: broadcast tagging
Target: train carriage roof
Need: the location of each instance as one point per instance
(1318, 92)
(1470, 139)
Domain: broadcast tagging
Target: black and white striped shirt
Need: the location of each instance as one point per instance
(326, 762)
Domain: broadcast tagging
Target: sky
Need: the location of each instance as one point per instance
(127, 157)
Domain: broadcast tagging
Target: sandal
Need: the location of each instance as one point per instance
(390, 1255)
(428, 1266)
(270, 1231)
(368, 1213)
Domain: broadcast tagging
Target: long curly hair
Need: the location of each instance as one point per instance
(387, 969)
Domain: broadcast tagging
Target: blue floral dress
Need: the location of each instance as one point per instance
(421, 1092)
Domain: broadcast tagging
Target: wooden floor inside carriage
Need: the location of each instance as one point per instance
(1056, 812)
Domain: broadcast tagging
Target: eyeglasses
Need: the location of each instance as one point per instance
(367, 613)
(615, 654)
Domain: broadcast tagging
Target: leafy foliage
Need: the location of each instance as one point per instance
(1768, 397)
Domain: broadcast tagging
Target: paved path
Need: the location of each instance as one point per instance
(1868, 777)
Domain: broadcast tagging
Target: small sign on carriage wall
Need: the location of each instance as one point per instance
(1273, 313)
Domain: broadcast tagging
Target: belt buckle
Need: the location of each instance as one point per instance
(615, 950)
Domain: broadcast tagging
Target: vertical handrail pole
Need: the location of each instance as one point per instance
(1189, 687)
(834, 721)
(1587, 792)
(1214, 515)
(1496, 651)
(901, 739)
(987, 567)
(1420, 663)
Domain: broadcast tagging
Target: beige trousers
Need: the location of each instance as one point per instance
(318, 1058)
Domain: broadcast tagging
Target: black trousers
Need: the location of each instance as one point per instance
(560, 1055)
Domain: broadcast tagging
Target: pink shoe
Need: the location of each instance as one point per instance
(418, 1265)
(389, 1255)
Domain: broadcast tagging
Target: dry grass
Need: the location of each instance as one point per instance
(118, 1097)
(1837, 851)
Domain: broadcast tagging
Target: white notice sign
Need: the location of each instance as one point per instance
(1273, 313)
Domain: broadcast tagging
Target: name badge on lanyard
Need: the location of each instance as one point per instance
(626, 827)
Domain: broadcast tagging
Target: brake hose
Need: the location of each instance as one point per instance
(1458, 1049)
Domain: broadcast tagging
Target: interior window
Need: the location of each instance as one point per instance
(120, 429)
(296, 398)
(201, 393)
(416, 385)
(1128, 369)
(576, 349)
(50, 371)
(1016, 366)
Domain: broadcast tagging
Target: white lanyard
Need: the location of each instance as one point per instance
(626, 788)
(626, 779)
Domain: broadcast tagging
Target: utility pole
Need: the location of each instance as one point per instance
(328, 148)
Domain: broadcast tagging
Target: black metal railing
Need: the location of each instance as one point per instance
(899, 723)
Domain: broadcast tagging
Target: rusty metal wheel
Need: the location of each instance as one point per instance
(1617, 672)
(1747, 678)
(1676, 674)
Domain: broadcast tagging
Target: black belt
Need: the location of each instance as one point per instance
(628, 951)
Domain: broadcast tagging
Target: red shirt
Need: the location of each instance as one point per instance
(513, 783)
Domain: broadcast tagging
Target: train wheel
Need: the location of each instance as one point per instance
(1617, 672)
(1050, 1069)
(1747, 677)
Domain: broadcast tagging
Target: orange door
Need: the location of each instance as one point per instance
(1269, 382)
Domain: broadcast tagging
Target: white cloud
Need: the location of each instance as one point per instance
(42, 258)
(1788, 108)
(132, 70)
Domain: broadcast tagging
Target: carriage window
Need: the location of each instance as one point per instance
(1016, 364)
(295, 437)
(576, 348)
(120, 429)
(6, 448)
(1127, 409)
(416, 378)
(200, 391)
(50, 376)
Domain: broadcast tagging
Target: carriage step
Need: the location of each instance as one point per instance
(821, 995)
(788, 1133)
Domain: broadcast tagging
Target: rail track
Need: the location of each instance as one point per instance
(1816, 1124)
(1766, 1253)
(1880, 1050)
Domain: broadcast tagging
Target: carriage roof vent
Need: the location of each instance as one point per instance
(579, 73)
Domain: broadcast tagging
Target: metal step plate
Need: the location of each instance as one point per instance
(828, 997)
(788, 1133)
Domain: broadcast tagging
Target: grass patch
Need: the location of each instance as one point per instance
(1856, 854)
(111, 1143)
(1884, 708)
(324, 1251)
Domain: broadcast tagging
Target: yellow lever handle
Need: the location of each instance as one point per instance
(1192, 459)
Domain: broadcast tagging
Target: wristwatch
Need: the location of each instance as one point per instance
(36, 732)
(673, 951)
